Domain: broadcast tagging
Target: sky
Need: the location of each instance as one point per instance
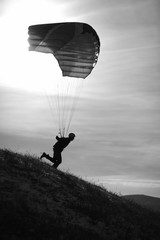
(117, 120)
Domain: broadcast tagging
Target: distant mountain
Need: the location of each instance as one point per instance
(38, 202)
(146, 201)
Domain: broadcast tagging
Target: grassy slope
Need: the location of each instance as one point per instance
(39, 202)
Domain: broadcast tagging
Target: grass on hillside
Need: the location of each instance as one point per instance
(39, 202)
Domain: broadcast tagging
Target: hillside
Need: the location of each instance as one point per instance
(152, 203)
(38, 202)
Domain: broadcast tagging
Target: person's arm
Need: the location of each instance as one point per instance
(57, 138)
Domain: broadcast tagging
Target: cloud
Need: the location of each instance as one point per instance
(120, 24)
(3, 6)
(118, 139)
(22, 113)
(126, 185)
(117, 14)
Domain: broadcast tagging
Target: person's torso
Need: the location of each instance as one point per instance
(61, 144)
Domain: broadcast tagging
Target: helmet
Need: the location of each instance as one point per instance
(71, 136)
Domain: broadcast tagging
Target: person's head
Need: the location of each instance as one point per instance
(71, 136)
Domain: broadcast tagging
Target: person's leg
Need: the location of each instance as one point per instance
(58, 160)
(49, 158)
(44, 155)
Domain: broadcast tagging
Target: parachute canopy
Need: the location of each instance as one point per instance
(75, 45)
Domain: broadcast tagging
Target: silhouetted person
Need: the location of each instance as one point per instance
(58, 147)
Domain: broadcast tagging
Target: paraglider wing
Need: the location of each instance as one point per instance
(76, 46)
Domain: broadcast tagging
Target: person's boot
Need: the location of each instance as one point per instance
(43, 155)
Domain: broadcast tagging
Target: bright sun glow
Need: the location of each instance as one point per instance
(21, 68)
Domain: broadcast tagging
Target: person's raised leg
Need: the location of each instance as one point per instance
(44, 155)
